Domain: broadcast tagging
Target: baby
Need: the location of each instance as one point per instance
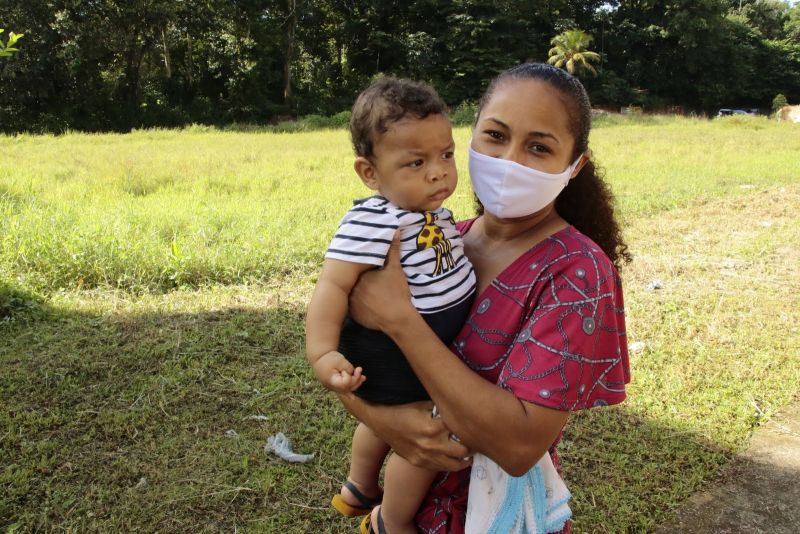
(404, 151)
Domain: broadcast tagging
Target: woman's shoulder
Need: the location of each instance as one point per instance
(570, 248)
(573, 239)
(566, 259)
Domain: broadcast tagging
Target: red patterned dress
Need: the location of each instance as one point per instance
(551, 329)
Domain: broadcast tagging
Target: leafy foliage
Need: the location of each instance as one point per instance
(7, 49)
(570, 52)
(778, 102)
(116, 65)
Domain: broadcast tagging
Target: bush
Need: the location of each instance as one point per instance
(312, 122)
(778, 102)
(202, 110)
(288, 127)
(341, 119)
(464, 113)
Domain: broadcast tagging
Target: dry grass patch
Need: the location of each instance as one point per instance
(721, 353)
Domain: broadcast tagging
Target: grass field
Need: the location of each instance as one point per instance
(152, 293)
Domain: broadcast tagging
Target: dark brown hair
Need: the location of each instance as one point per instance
(586, 202)
(389, 100)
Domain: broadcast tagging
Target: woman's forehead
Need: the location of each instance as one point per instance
(528, 105)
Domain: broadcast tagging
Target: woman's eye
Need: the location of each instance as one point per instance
(448, 155)
(539, 148)
(416, 163)
(494, 134)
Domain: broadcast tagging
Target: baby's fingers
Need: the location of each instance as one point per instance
(352, 381)
(346, 368)
(357, 379)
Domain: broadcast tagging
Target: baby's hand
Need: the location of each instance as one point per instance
(345, 382)
(337, 373)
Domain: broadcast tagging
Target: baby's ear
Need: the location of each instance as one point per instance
(366, 171)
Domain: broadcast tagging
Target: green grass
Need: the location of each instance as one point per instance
(153, 288)
(154, 210)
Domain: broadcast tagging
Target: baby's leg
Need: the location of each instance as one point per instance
(404, 488)
(369, 452)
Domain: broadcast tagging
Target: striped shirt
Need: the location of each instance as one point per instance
(431, 250)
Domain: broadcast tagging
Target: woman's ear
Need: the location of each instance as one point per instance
(366, 171)
(584, 159)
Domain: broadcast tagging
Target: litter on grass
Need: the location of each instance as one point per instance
(655, 284)
(255, 418)
(280, 446)
(231, 433)
(636, 347)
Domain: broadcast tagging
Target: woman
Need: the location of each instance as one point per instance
(546, 334)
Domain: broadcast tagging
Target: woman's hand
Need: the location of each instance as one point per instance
(412, 433)
(381, 297)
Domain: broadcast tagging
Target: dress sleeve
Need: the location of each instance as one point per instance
(571, 351)
(363, 236)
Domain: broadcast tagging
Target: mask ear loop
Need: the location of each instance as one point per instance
(576, 164)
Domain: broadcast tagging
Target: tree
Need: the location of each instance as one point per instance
(7, 50)
(100, 65)
(792, 25)
(767, 16)
(778, 102)
(570, 52)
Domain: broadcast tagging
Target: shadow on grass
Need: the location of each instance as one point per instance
(754, 496)
(17, 304)
(147, 423)
(621, 465)
(156, 422)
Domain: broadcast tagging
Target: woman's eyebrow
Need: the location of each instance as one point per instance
(530, 134)
(499, 122)
(543, 134)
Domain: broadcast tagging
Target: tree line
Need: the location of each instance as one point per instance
(100, 65)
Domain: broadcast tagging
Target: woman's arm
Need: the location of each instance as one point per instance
(412, 433)
(513, 433)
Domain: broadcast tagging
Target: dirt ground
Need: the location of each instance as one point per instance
(759, 490)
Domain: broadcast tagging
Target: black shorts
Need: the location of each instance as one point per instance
(390, 379)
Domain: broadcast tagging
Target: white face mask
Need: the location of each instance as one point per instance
(507, 189)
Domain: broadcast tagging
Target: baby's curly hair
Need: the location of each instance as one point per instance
(389, 100)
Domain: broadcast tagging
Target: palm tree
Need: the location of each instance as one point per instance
(570, 51)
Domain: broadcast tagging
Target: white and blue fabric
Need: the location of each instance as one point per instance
(498, 503)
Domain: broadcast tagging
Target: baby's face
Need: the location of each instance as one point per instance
(414, 164)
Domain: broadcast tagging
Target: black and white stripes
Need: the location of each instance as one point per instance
(366, 232)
